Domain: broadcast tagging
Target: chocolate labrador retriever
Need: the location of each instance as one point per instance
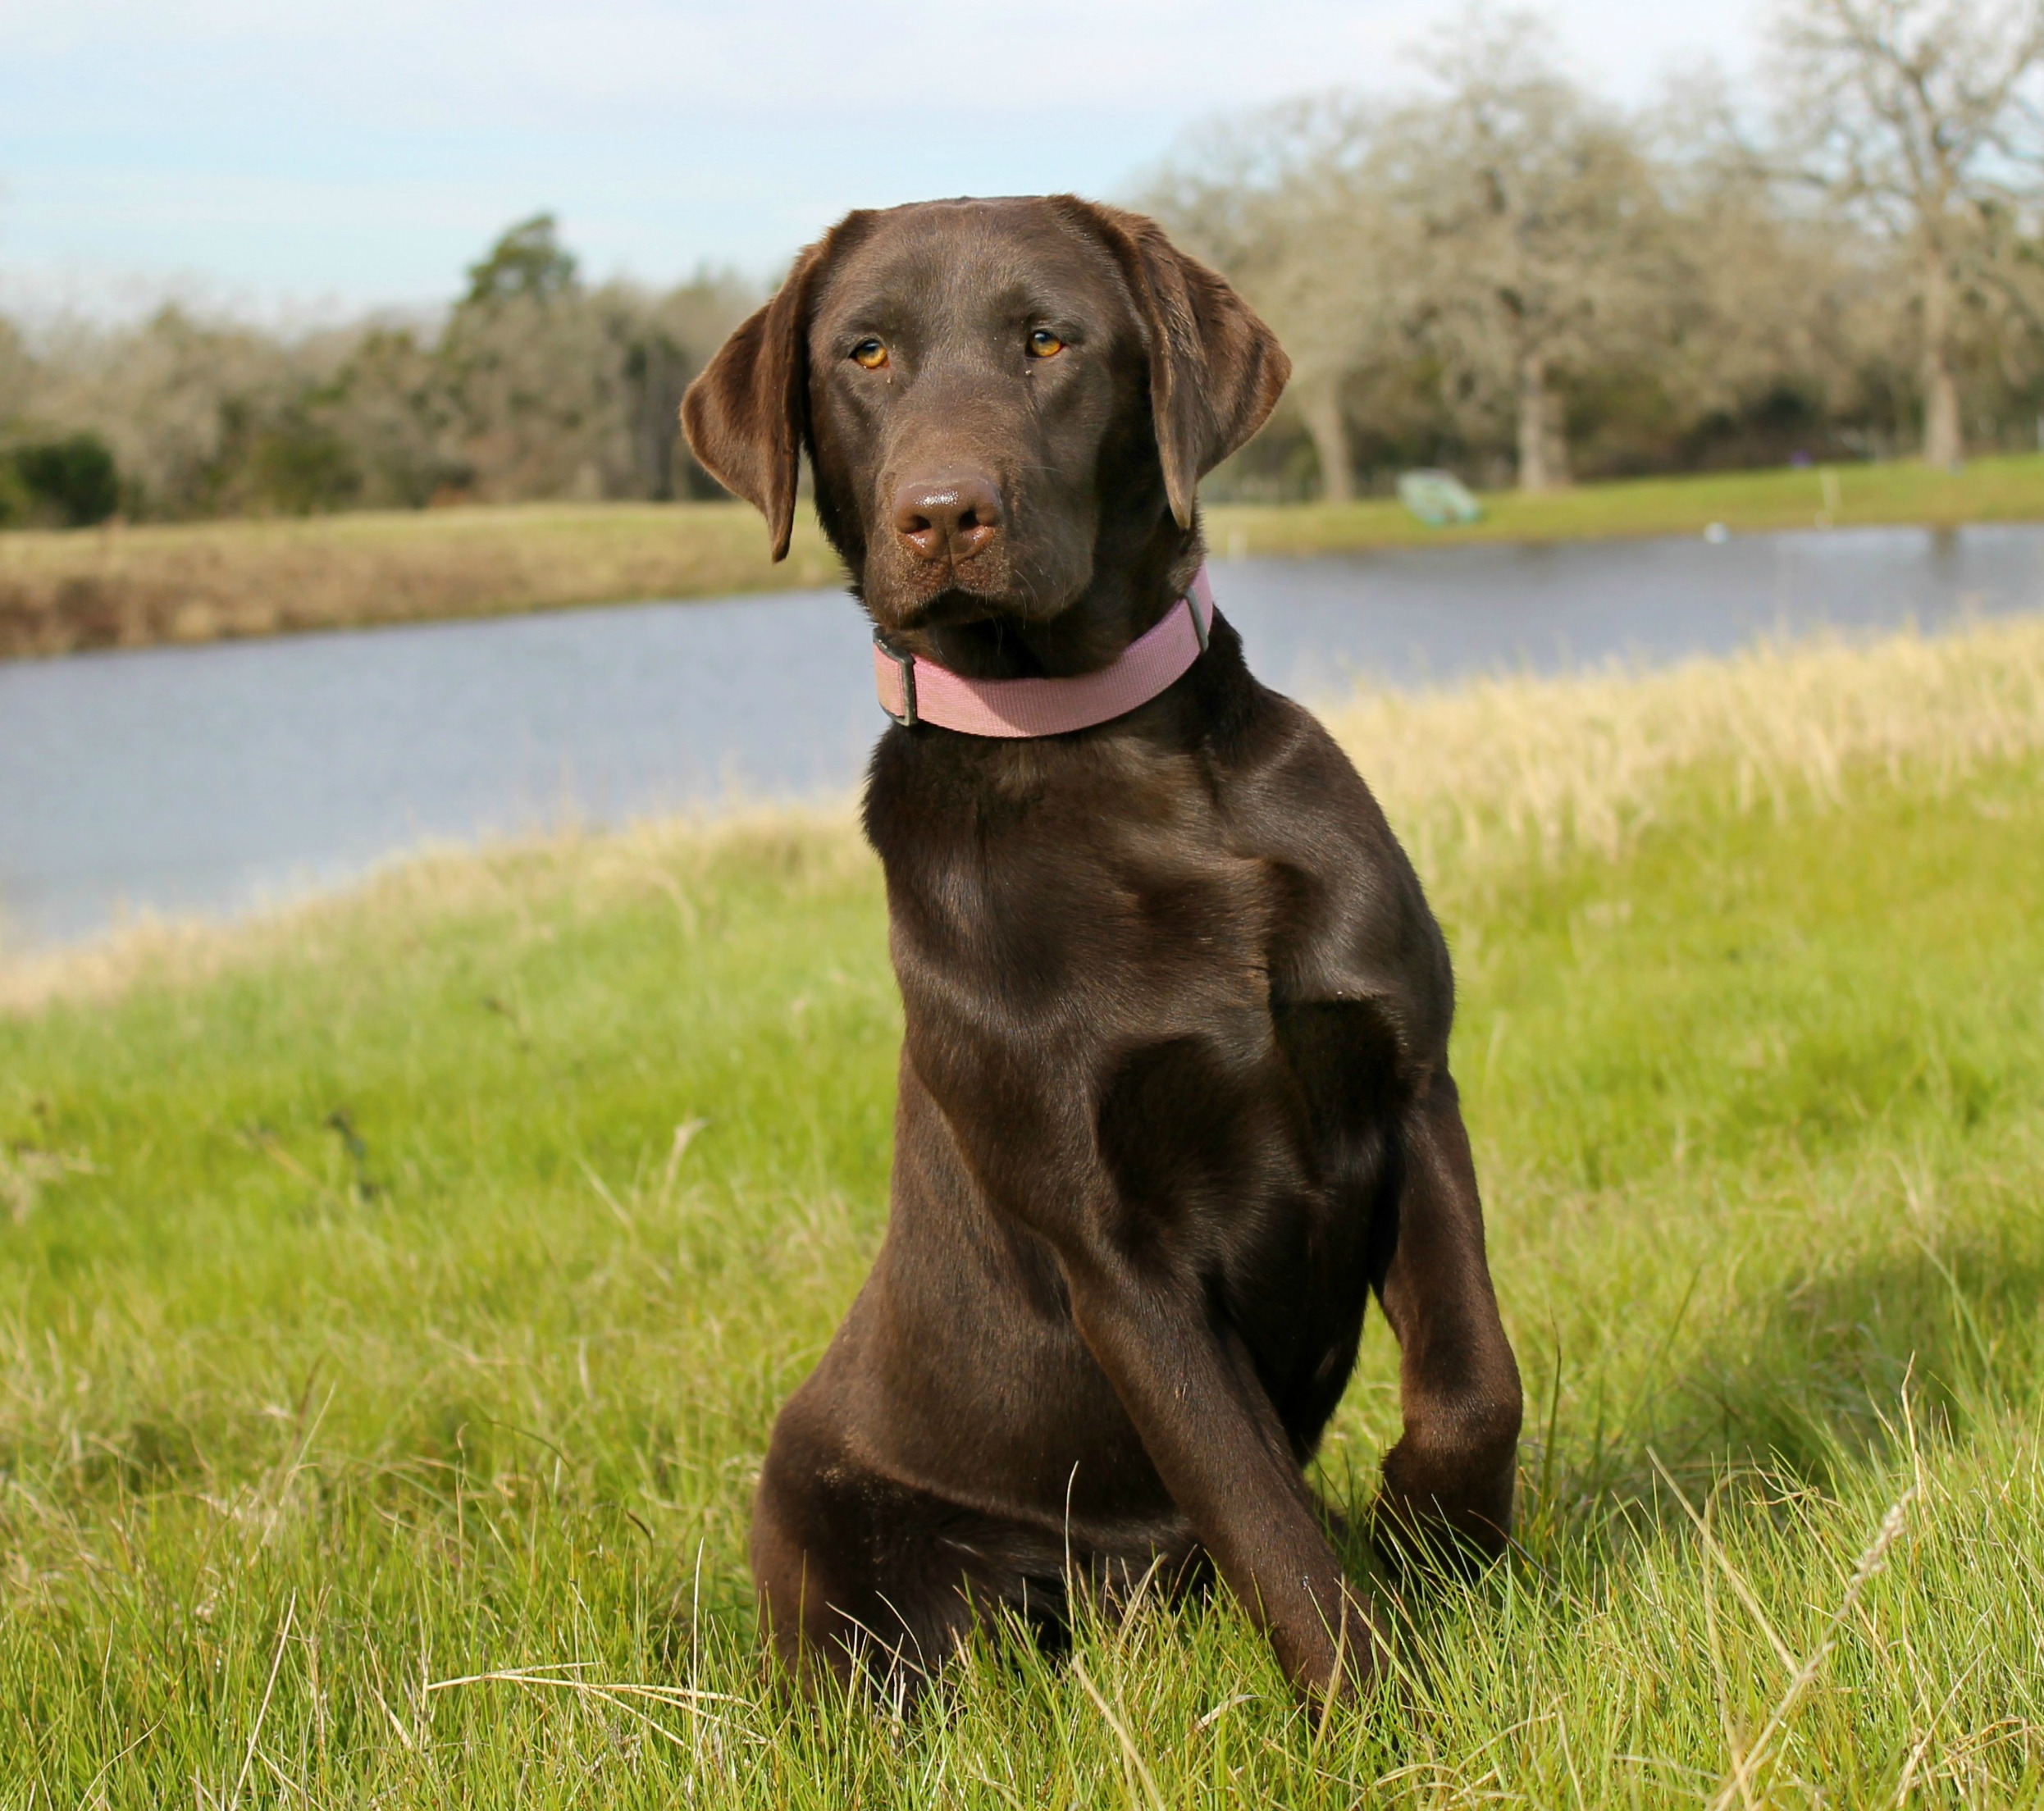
(1174, 1094)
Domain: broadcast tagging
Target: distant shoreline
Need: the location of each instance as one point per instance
(155, 584)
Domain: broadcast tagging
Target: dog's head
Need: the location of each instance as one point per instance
(1003, 401)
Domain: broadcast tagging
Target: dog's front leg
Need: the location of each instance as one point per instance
(1450, 1479)
(1217, 1444)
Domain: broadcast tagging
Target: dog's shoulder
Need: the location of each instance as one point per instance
(1351, 920)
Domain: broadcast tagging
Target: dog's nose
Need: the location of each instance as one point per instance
(951, 519)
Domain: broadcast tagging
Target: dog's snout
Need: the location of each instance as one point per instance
(949, 518)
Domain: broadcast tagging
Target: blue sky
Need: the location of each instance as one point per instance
(315, 158)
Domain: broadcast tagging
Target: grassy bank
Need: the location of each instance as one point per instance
(126, 587)
(397, 1294)
(2008, 489)
(121, 587)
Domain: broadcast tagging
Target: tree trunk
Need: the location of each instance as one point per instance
(1543, 442)
(1321, 405)
(1944, 445)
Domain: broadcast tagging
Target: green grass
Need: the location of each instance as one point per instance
(366, 1328)
(2008, 488)
(200, 582)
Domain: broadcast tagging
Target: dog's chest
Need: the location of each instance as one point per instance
(1090, 912)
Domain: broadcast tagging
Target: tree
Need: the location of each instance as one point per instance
(1281, 200)
(549, 389)
(1783, 329)
(17, 375)
(1538, 240)
(180, 401)
(1920, 117)
(387, 404)
(528, 260)
(534, 386)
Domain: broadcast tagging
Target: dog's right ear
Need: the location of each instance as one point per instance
(746, 414)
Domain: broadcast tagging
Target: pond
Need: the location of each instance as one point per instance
(208, 779)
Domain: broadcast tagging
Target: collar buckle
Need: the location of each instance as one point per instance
(906, 717)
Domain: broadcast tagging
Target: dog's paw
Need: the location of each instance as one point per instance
(1427, 1523)
(1414, 1538)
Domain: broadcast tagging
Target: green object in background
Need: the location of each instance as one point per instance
(1438, 499)
(68, 483)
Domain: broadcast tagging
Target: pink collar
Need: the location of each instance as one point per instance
(916, 690)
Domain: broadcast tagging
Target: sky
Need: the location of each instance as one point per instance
(311, 158)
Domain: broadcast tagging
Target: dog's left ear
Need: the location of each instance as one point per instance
(1216, 371)
(747, 413)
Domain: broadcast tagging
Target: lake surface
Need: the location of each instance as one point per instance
(208, 779)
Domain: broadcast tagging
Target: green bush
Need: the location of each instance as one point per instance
(67, 483)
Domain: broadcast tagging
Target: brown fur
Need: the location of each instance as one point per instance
(1173, 1095)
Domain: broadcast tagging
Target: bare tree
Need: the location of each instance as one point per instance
(1920, 116)
(1283, 201)
(386, 403)
(183, 401)
(1781, 304)
(556, 390)
(532, 386)
(1538, 226)
(17, 373)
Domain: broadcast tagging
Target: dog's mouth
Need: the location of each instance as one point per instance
(950, 607)
(948, 594)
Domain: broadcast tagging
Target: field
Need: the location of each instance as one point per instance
(130, 586)
(2010, 489)
(398, 1291)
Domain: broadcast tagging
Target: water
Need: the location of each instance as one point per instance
(205, 779)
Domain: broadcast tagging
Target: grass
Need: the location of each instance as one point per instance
(2004, 489)
(397, 1293)
(130, 586)
(123, 586)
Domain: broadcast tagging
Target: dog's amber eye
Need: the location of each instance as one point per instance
(1043, 343)
(870, 353)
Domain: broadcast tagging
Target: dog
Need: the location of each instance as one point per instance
(1174, 1094)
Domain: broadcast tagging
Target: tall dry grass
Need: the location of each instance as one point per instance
(575, 869)
(134, 586)
(1590, 758)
